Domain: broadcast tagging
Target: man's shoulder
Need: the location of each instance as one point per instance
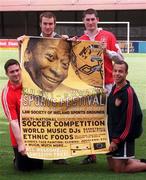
(106, 32)
(7, 91)
(83, 37)
(10, 90)
(56, 35)
(5, 88)
(7, 94)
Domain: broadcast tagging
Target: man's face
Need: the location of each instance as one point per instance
(47, 26)
(14, 73)
(90, 22)
(50, 63)
(119, 73)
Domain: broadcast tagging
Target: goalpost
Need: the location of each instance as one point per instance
(112, 22)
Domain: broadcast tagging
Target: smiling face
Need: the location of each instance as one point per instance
(49, 63)
(119, 73)
(14, 74)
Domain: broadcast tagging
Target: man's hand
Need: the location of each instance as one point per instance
(113, 147)
(103, 46)
(21, 39)
(22, 149)
(64, 36)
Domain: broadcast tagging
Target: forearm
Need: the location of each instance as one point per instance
(17, 133)
(114, 56)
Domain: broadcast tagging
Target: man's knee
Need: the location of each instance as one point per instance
(118, 169)
(119, 166)
(24, 163)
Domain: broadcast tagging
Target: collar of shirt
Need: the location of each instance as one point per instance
(14, 86)
(52, 35)
(92, 37)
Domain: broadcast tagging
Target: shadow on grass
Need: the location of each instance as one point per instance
(74, 166)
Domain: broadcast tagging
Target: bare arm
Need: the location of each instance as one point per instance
(114, 56)
(17, 133)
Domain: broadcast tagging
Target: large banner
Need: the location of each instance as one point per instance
(63, 109)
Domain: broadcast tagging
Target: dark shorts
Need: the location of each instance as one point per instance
(126, 150)
(24, 163)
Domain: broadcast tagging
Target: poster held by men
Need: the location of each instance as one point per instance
(63, 113)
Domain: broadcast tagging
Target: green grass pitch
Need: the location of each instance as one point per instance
(75, 171)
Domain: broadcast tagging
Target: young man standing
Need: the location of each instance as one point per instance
(11, 96)
(124, 123)
(47, 23)
(111, 49)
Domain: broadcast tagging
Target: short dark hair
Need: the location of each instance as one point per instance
(123, 62)
(47, 14)
(90, 11)
(10, 62)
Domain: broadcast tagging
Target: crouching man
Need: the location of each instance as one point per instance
(124, 123)
(11, 97)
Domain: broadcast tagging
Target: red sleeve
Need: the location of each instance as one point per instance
(111, 44)
(9, 104)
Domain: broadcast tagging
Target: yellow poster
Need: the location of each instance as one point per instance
(63, 109)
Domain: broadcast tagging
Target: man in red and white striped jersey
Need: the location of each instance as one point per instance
(11, 97)
(111, 51)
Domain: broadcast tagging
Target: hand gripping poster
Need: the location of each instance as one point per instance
(63, 107)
